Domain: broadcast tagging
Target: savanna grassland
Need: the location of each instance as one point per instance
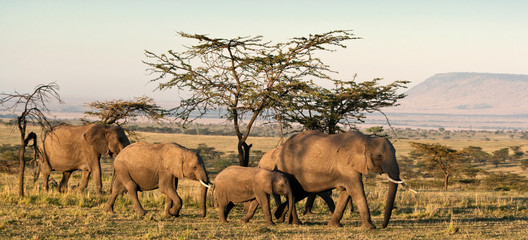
(468, 210)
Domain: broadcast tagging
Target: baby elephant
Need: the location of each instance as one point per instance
(242, 184)
(145, 166)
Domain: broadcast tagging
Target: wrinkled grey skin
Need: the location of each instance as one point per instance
(146, 166)
(237, 184)
(68, 148)
(320, 162)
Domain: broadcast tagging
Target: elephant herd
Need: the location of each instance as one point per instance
(306, 164)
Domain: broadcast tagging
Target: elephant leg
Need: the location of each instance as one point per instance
(63, 187)
(263, 200)
(97, 177)
(167, 188)
(84, 180)
(277, 199)
(117, 188)
(309, 204)
(327, 197)
(252, 208)
(228, 208)
(338, 212)
(357, 193)
(351, 204)
(45, 177)
(222, 206)
(175, 209)
(294, 219)
(278, 202)
(283, 209)
(131, 187)
(280, 212)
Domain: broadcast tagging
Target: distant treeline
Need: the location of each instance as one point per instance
(267, 130)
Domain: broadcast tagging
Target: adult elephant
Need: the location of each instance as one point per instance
(320, 162)
(68, 148)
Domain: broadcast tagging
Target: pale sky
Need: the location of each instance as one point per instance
(95, 48)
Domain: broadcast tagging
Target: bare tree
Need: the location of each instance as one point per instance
(33, 107)
(241, 77)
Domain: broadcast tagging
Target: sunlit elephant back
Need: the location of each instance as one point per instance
(68, 148)
(320, 162)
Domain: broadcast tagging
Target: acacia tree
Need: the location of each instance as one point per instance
(34, 107)
(499, 156)
(120, 112)
(241, 77)
(345, 105)
(442, 157)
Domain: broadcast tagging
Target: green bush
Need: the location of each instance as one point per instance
(506, 182)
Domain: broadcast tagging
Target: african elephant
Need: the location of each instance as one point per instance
(237, 184)
(320, 162)
(269, 161)
(68, 148)
(146, 166)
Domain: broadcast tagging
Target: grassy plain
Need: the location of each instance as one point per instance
(431, 214)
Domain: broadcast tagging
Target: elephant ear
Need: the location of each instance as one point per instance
(172, 160)
(355, 155)
(96, 136)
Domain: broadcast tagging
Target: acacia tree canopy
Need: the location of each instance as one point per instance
(120, 111)
(345, 105)
(244, 76)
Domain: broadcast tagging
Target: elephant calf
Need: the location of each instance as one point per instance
(145, 166)
(242, 184)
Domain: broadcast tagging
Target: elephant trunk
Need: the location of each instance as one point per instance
(291, 206)
(203, 200)
(205, 184)
(389, 204)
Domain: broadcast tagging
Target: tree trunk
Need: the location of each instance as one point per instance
(243, 153)
(446, 181)
(22, 168)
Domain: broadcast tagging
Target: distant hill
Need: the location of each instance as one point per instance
(468, 93)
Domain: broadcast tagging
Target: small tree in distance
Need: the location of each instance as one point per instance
(439, 156)
(241, 77)
(499, 156)
(34, 107)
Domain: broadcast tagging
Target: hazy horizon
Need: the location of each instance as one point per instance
(94, 49)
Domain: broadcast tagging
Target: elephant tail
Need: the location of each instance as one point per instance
(36, 154)
(213, 199)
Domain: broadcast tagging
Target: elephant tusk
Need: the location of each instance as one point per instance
(402, 183)
(205, 185)
(394, 181)
(409, 188)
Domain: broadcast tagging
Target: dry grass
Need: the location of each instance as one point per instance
(427, 215)
(431, 214)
